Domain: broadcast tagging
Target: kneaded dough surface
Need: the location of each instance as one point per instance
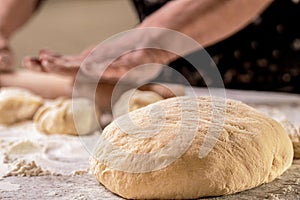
(252, 149)
(63, 116)
(291, 129)
(17, 105)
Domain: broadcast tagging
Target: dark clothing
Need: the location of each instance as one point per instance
(147, 7)
(265, 55)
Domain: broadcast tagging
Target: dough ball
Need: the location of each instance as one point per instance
(63, 116)
(17, 105)
(172, 150)
(134, 99)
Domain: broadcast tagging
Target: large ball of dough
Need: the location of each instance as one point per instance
(67, 116)
(134, 99)
(157, 153)
(17, 105)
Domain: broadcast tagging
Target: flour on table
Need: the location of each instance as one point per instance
(24, 151)
(23, 168)
(7, 186)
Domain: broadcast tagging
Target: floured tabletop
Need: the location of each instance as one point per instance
(57, 166)
(85, 187)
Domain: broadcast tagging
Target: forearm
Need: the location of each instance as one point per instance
(46, 85)
(206, 21)
(13, 14)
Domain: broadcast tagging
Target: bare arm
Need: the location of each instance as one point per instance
(207, 21)
(46, 85)
(13, 14)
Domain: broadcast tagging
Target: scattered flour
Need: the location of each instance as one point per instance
(80, 172)
(23, 168)
(22, 148)
(80, 197)
(52, 194)
(26, 152)
(272, 197)
(7, 186)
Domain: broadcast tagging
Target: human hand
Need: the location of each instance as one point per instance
(52, 62)
(109, 61)
(6, 56)
(127, 54)
(136, 67)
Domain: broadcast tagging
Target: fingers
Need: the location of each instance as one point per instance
(131, 68)
(109, 69)
(60, 66)
(6, 60)
(32, 63)
(51, 62)
(44, 53)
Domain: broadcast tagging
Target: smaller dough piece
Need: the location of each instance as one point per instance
(17, 105)
(63, 116)
(133, 100)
